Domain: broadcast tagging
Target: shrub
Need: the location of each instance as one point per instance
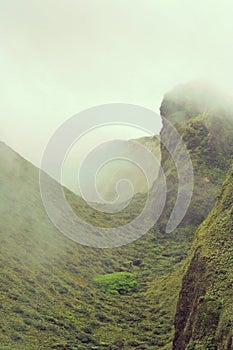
(118, 282)
(19, 327)
(191, 346)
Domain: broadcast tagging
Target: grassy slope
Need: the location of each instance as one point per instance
(48, 296)
(204, 318)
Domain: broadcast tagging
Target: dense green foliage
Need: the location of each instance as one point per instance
(117, 282)
(204, 318)
(56, 294)
(48, 296)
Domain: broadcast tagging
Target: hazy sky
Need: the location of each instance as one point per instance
(58, 57)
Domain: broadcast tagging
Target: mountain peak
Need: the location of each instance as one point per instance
(197, 97)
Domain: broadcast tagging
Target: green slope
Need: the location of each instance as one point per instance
(204, 318)
(50, 296)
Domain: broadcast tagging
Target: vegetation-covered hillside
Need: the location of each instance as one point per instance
(204, 318)
(54, 293)
(204, 119)
(51, 290)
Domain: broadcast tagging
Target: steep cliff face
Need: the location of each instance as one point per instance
(204, 119)
(204, 317)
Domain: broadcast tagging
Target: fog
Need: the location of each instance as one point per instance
(59, 58)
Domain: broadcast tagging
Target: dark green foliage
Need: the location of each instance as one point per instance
(204, 315)
(191, 346)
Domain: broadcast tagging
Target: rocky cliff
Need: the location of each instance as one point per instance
(204, 119)
(204, 318)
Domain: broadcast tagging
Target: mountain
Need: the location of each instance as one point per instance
(57, 294)
(120, 169)
(112, 171)
(204, 119)
(204, 317)
(50, 297)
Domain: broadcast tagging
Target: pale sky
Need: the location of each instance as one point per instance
(58, 57)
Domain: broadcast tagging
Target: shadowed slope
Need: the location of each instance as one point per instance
(204, 318)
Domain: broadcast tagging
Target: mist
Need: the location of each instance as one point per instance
(58, 59)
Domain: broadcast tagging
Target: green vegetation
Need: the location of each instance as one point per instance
(48, 296)
(204, 318)
(118, 282)
(56, 294)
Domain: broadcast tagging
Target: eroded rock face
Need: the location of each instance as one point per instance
(204, 317)
(204, 119)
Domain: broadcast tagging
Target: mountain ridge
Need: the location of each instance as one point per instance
(49, 298)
